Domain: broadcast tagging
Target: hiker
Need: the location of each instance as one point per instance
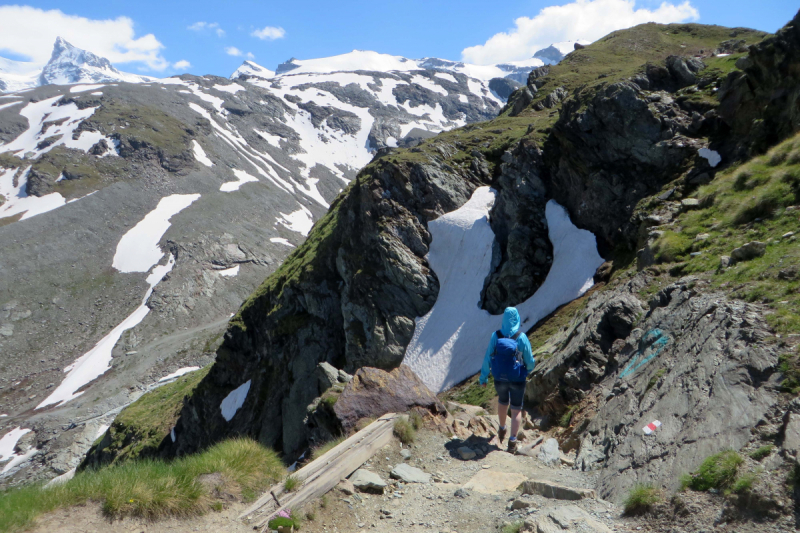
(510, 360)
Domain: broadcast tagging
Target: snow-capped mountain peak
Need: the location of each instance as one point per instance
(69, 64)
(250, 69)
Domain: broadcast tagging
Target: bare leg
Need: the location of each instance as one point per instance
(515, 422)
(502, 413)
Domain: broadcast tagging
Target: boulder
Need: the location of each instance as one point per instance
(374, 392)
(749, 251)
(568, 519)
(555, 491)
(328, 375)
(347, 487)
(549, 453)
(367, 481)
(466, 453)
(410, 474)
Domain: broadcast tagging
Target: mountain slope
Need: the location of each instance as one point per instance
(622, 128)
(135, 218)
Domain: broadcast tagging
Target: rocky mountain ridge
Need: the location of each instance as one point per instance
(213, 180)
(639, 147)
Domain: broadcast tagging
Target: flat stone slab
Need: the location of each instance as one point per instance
(466, 453)
(367, 481)
(492, 482)
(555, 491)
(568, 519)
(410, 474)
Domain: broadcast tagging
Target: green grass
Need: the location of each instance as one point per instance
(415, 419)
(322, 449)
(293, 520)
(744, 483)
(653, 380)
(141, 427)
(404, 430)
(149, 488)
(641, 499)
(566, 418)
(762, 452)
(747, 203)
(623, 54)
(470, 392)
(718, 471)
(513, 527)
(291, 484)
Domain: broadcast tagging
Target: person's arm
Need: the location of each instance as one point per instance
(487, 359)
(527, 355)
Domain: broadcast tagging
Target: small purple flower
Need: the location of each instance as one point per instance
(286, 513)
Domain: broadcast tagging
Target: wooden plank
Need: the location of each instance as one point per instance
(328, 479)
(339, 454)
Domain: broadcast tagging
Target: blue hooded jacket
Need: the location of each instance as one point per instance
(511, 323)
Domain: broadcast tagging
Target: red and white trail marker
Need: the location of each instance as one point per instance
(651, 427)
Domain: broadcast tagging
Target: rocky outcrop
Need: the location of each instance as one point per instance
(760, 103)
(691, 359)
(348, 297)
(374, 392)
(611, 149)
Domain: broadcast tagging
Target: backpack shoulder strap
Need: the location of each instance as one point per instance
(499, 334)
(516, 335)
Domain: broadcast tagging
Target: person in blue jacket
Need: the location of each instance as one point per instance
(509, 374)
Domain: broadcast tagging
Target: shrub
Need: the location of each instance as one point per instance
(762, 452)
(404, 430)
(641, 499)
(322, 449)
(717, 471)
(566, 418)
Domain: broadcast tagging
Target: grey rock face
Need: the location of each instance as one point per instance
(550, 55)
(523, 252)
(692, 361)
(791, 435)
(503, 87)
(629, 148)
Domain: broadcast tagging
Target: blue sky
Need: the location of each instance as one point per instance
(159, 36)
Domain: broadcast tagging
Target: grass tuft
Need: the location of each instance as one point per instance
(291, 484)
(322, 449)
(404, 430)
(762, 452)
(513, 527)
(718, 471)
(641, 499)
(148, 488)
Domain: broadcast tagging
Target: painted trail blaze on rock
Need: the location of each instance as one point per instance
(651, 427)
(651, 345)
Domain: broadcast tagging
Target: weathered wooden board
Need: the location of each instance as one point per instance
(322, 474)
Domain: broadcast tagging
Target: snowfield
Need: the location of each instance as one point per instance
(138, 249)
(234, 400)
(450, 341)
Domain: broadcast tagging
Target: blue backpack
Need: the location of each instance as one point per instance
(507, 362)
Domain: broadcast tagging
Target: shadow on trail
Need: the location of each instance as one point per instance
(480, 445)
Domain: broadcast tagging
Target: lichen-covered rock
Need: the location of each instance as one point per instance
(374, 392)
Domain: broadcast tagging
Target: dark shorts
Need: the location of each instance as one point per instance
(510, 392)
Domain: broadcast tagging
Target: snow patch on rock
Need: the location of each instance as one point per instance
(299, 221)
(449, 342)
(712, 156)
(178, 373)
(242, 178)
(234, 400)
(200, 154)
(138, 250)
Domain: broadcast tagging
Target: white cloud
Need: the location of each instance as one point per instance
(233, 51)
(250, 55)
(581, 19)
(181, 65)
(202, 26)
(269, 33)
(31, 32)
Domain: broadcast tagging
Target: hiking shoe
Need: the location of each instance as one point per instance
(501, 435)
(512, 447)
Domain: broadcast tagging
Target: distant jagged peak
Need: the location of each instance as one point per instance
(251, 69)
(69, 64)
(557, 51)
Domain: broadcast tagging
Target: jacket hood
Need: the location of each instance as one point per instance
(510, 322)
